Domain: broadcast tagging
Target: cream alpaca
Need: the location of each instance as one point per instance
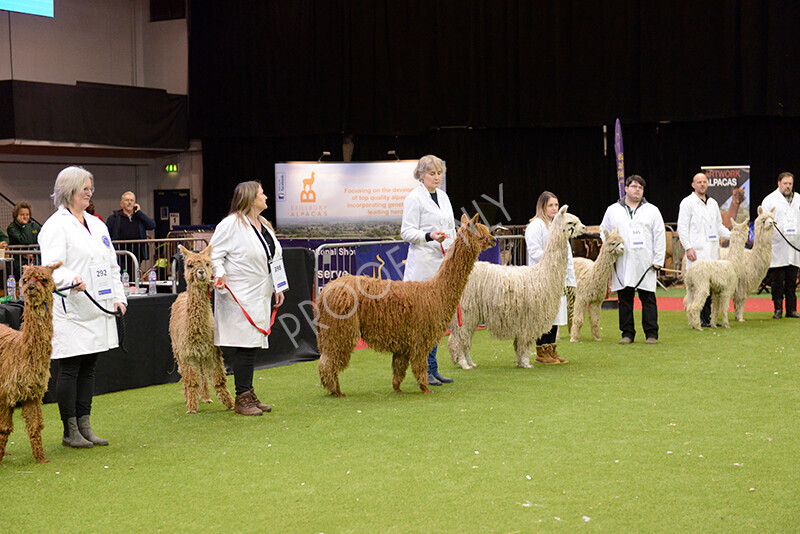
(191, 328)
(592, 280)
(404, 318)
(755, 262)
(25, 359)
(518, 303)
(717, 277)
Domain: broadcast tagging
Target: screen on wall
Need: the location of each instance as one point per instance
(34, 7)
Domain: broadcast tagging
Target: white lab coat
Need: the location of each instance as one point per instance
(787, 218)
(700, 227)
(239, 254)
(536, 236)
(636, 260)
(420, 216)
(82, 328)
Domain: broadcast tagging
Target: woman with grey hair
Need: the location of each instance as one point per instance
(81, 331)
(428, 226)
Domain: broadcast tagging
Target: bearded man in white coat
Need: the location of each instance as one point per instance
(785, 257)
(429, 227)
(700, 228)
(642, 229)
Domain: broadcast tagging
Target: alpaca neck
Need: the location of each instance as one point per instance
(37, 331)
(198, 298)
(603, 263)
(554, 258)
(452, 276)
(762, 249)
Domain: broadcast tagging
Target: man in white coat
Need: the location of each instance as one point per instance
(785, 255)
(642, 229)
(429, 228)
(700, 228)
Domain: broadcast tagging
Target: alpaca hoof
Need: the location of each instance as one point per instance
(598, 339)
(207, 401)
(191, 411)
(573, 340)
(473, 366)
(43, 461)
(524, 366)
(339, 395)
(427, 391)
(398, 390)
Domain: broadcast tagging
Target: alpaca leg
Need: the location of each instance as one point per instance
(577, 320)
(191, 388)
(724, 305)
(6, 427)
(460, 343)
(419, 366)
(738, 306)
(595, 310)
(34, 423)
(329, 368)
(716, 308)
(399, 367)
(205, 390)
(220, 381)
(693, 302)
(522, 349)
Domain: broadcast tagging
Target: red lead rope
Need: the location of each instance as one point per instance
(271, 319)
(460, 322)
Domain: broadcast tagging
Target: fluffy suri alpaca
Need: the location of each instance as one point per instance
(191, 328)
(717, 277)
(404, 318)
(516, 302)
(592, 284)
(25, 359)
(755, 262)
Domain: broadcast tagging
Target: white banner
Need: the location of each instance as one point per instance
(342, 199)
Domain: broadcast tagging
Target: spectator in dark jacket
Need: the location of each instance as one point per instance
(130, 222)
(22, 231)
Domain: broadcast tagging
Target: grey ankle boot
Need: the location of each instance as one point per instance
(86, 431)
(74, 438)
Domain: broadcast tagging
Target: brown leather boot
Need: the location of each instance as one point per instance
(247, 404)
(266, 408)
(555, 355)
(543, 354)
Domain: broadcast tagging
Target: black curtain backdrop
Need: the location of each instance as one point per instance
(511, 92)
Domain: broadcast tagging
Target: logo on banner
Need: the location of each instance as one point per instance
(308, 194)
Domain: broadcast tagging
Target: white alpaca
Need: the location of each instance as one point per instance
(717, 277)
(755, 262)
(592, 279)
(515, 302)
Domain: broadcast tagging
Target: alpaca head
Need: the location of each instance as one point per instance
(197, 267)
(567, 223)
(612, 243)
(471, 231)
(738, 234)
(764, 222)
(37, 284)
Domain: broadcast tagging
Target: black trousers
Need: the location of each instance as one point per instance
(243, 364)
(649, 312)
(75, 385)
(783, 283)
(549, 337)
(705, 313)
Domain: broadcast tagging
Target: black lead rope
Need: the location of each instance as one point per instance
(116, 313)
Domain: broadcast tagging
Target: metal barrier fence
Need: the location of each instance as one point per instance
(329, 261)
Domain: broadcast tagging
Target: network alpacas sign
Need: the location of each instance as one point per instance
(342, 199)
(730, 187)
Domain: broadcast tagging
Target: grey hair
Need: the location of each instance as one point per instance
(68, 182)
(427, 163)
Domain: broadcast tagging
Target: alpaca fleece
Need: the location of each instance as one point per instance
(592, 284)
(717, 277)
(518, 303)
(404, 318)
(25, 359)
(191, 329)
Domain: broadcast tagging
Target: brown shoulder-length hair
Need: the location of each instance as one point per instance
(243, 197)
(541, 204)
(22, 206)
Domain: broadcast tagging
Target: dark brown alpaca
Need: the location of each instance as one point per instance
(404, 318)
(25, 359)
(191, 328)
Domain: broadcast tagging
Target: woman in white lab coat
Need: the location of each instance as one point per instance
(244, 253)
(536, 235)
(80, 330)
(428, 226)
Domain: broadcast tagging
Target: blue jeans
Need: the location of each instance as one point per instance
(433, 365)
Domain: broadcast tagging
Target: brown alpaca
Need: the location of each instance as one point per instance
(191, 328)
(25, 359)
(404, 318)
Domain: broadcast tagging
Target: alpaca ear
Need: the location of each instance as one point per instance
(473, 220)
(563, 208)
(207, 251)
(53, 266)
(760, 211)
(464, 219)
(183, 250)
(614, 230)
(605, 234)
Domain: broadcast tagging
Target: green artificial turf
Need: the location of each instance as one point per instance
(696, 434)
